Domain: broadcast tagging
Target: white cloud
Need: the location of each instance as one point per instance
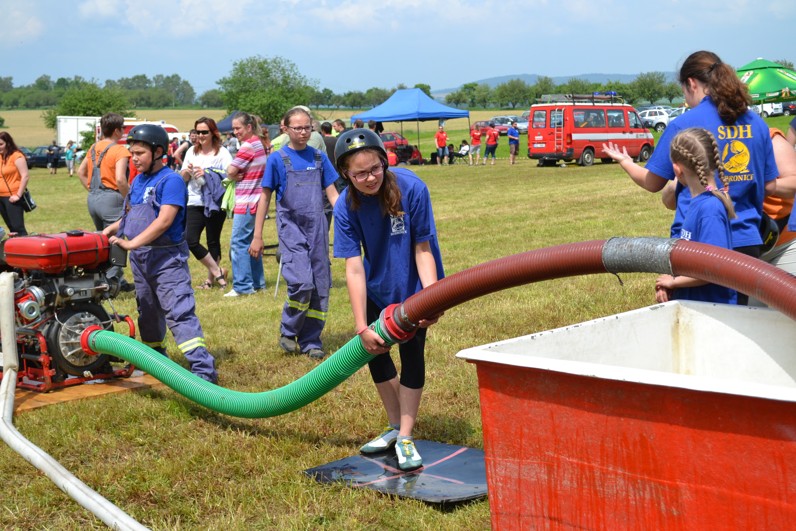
(182, 18)
(20, 27)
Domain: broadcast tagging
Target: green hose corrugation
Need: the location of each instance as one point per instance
(320, 380)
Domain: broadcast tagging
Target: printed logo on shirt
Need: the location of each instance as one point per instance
(148, 192)
(735, 157)
(685, 234)
(397, 225)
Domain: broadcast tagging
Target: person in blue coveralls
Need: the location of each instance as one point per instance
(720, 103)
(386, 214)
(152, 228)
(299, 174)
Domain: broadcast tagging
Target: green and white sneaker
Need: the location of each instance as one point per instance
(384, 441)
(408, 458)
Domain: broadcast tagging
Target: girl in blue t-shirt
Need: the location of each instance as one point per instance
(385, 214)
(695, 159)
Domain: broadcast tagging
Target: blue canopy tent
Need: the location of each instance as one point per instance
(411, 104)
(225, 125)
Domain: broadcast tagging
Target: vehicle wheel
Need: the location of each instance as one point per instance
(764, 114)
(786, 112)
(606, 160)
(660, 127)
(587, 157)
(644, 154)
(63, 338)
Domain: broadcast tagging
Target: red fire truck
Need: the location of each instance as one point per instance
(573, 127)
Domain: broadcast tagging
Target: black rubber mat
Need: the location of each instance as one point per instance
(450, 474)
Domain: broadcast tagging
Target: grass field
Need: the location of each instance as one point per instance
(172, 464)
(28, 129)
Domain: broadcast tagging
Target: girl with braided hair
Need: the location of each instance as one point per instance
(696, 162)
(720, 103)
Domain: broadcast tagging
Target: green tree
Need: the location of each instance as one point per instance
(455, 98)
(376, 96)
(181, 91)
(483, 95)
(544, 85)
(513, 93)
(783, 62)
(267, 87)
(211, 99)
(425, 88)
(43, 83)
(89, 100)
(650, 86)
(354, 100)
(6, 84)
(672, 91)
(577, 85)
(468, 91)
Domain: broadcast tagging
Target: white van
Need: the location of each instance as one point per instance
(768, 109)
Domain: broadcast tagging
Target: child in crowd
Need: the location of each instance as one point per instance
(299, 174)
(154, 227)
(695, 159)
(387, 214)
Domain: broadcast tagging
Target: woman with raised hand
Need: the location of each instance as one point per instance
(720, 103)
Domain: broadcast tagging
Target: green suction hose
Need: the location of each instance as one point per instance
(320, 380)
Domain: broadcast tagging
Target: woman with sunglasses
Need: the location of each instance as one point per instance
(14, 173)
(298, 174)
(386, 214)
(201, 169)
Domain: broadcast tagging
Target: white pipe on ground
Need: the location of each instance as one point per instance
(103, 509)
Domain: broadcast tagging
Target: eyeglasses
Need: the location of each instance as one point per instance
(306, 129)
(203, 133)
(363, 175)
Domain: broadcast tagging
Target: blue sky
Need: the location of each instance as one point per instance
(358, 44)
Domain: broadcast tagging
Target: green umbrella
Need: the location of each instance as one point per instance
(768, 81)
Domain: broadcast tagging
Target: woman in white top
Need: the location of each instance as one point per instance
(204, 195)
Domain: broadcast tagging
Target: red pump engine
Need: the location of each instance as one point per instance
(62, 281)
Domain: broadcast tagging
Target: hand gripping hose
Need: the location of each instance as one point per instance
(397, 323)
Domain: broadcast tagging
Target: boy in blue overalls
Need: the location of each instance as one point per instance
(154, 227)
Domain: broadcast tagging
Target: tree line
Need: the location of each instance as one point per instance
(269, 86)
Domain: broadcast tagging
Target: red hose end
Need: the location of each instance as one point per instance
(84, 339)
(392, 327)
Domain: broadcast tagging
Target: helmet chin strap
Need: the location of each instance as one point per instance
(151, 162)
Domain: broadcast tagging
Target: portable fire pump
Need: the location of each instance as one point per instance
(62, 282)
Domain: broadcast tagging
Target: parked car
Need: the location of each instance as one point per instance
(393, 140)
(502, 124)
(679, 111)
(400, 145)
(38, 158)
(656, 119)
(789, 108)
(522, 125)
(769, 109)
(483, 125)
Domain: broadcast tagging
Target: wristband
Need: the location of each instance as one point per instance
(361, 331)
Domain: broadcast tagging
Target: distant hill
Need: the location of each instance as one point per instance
(531, 79)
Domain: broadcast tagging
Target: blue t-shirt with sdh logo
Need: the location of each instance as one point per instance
(707, 222)
(747, 153)
(388, 242)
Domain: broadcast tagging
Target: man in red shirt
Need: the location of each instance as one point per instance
(442, 145)
(492, 136)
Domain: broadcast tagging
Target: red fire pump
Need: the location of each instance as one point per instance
(62, 282)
